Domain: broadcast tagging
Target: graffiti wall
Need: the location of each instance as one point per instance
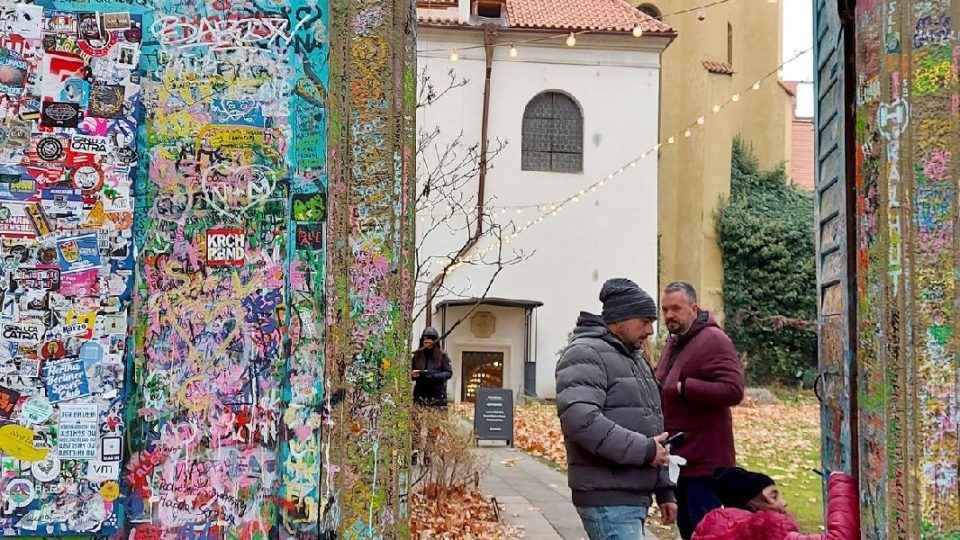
(232, 250)
(370, 271)
(907, 132)
(164, 246)
(70, 92)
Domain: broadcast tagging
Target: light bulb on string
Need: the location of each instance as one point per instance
(701, 14)
(514, 52)
(454, 56)
(637, 31)
(571, 40)
(554, 209)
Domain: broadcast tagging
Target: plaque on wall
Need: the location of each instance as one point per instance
(483, 324)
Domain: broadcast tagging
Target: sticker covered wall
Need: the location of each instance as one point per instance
(196, 209)
(68, 108)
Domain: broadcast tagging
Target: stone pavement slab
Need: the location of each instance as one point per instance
(535, 497)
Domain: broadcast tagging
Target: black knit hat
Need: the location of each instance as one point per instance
(431, 333)
(736, 486)
(623, 299)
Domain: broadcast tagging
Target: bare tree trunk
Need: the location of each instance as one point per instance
(370, 268)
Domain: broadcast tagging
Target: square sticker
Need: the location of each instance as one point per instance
(110, 449)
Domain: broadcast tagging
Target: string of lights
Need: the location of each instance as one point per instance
(571, 37)
(554, 209)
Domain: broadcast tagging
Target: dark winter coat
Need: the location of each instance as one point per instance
(843, 519)
(430, 388)
(705, 361)
(609, 407)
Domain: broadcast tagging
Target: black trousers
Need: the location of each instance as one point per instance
(696, 497)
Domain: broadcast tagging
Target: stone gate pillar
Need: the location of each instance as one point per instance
(889, 160)
(369, 269)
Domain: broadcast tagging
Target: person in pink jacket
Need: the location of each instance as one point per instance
(754, 509)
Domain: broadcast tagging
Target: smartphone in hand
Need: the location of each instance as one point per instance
(674, 441)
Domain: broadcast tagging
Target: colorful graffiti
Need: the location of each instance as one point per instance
(171, 157)
(907, 128)
(69, 97)
(230, 374)
(371, 154)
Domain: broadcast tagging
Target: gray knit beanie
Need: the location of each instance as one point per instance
(623, 299)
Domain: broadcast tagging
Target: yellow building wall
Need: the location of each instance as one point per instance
(695, 171)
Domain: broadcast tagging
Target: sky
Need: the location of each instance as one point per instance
(798, 36)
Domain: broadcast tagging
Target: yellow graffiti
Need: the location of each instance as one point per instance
(932, 77)
(370, 54)
(240, 139)
(179, 124)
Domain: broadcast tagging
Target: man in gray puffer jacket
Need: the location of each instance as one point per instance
(609, 406)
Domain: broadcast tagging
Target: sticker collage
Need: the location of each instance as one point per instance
(69, 97)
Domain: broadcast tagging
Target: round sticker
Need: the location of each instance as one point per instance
(110, 491)
(20, 492)
(47, 255)
(133, 34)
(36, 410)
(53, 350)
(87, 178)
(47, 469)
(97, 47)
(126, 154)
(50, 149)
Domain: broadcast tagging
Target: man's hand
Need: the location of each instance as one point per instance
(668, 513)
(416, 373)
(680, 387)
(663, 455)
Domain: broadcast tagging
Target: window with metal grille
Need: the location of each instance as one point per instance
(552, 134)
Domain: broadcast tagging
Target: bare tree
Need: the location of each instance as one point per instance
(449, 206)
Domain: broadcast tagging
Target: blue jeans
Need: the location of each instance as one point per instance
(613, 522)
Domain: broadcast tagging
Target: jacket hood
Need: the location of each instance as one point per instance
(592, 326)
(704, 320)
(588, 323)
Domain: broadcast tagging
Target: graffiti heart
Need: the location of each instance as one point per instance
(232, 192)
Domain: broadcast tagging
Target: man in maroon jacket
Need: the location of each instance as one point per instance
(700, 378)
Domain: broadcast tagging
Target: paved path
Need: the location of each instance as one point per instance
(535, 497)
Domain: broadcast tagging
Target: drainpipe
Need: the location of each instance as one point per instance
(489, 39)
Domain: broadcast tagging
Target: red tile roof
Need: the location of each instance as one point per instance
(574, 15)
(802, 153)
(451, 20)
(720, 68)
(565, 15)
